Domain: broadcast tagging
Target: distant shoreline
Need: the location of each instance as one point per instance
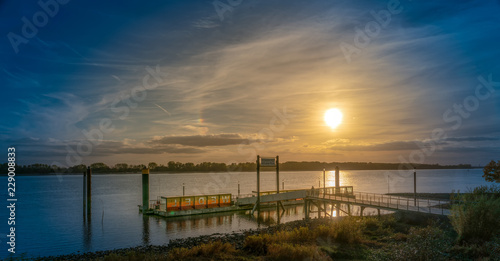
(207, 167)
(197, 172)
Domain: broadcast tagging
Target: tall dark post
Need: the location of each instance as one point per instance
(415, 185)
(337, 189)
(84, 194)
(145, 229)
(278, 213)
(258, 182)
(388, 186)
(324, 180)
(89, 192)
(238, 188)
(337, 178)
(145, 190)
(277, 174)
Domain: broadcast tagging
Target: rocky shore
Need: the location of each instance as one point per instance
(236, 238)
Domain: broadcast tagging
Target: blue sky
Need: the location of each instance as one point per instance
(253, 77)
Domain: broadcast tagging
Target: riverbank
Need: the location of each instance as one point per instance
(395, 236)
(235, 238)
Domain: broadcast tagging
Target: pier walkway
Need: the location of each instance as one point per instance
(376, 201)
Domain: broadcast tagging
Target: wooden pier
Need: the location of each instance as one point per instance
(326, 200)
(344, 202)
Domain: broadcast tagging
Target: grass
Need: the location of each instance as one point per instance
(209, 251)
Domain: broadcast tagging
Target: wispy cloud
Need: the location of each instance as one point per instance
(202, 140)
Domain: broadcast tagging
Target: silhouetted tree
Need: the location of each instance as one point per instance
(492, 172)
(121, 167)
(99, 167)
(152, 165)
(77, 169)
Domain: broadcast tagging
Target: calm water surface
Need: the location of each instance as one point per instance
(49, 209)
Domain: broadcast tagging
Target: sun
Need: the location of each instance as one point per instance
(333, 118)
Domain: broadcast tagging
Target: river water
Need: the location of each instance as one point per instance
(49, 215)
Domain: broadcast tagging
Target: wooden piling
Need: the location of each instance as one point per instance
(277, 174)
(337, 185)
(415, 186)
(89, 191)
(145, 190)
(258, 183)
(324, 181)
(84, 194)
(337, 177)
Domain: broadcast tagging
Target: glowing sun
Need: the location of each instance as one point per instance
(333, 118)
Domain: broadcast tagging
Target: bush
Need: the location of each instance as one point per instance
(257, 244)
(344, 231)
(429, 243)
(485, 251)
(287, 252)
(131, 256)
(492, 191)
(214, 250)
(476, 217)
(296, 236)
(348, 231)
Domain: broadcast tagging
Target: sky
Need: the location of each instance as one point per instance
(224, 81)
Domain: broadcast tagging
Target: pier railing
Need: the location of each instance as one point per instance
(384, 201)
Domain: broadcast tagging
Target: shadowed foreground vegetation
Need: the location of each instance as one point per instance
(392, 237)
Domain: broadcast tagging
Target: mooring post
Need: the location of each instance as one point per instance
(145, 190)
(258, 183)
(415, 185)
(84, 193)
(337, 185)
(89, 191)
(277, 174)
(337, 178)
(183, 190)
(306, 207)
(238, 188)
(324, 180)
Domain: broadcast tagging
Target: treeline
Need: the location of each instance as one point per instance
(173, 166)
(316, 165)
